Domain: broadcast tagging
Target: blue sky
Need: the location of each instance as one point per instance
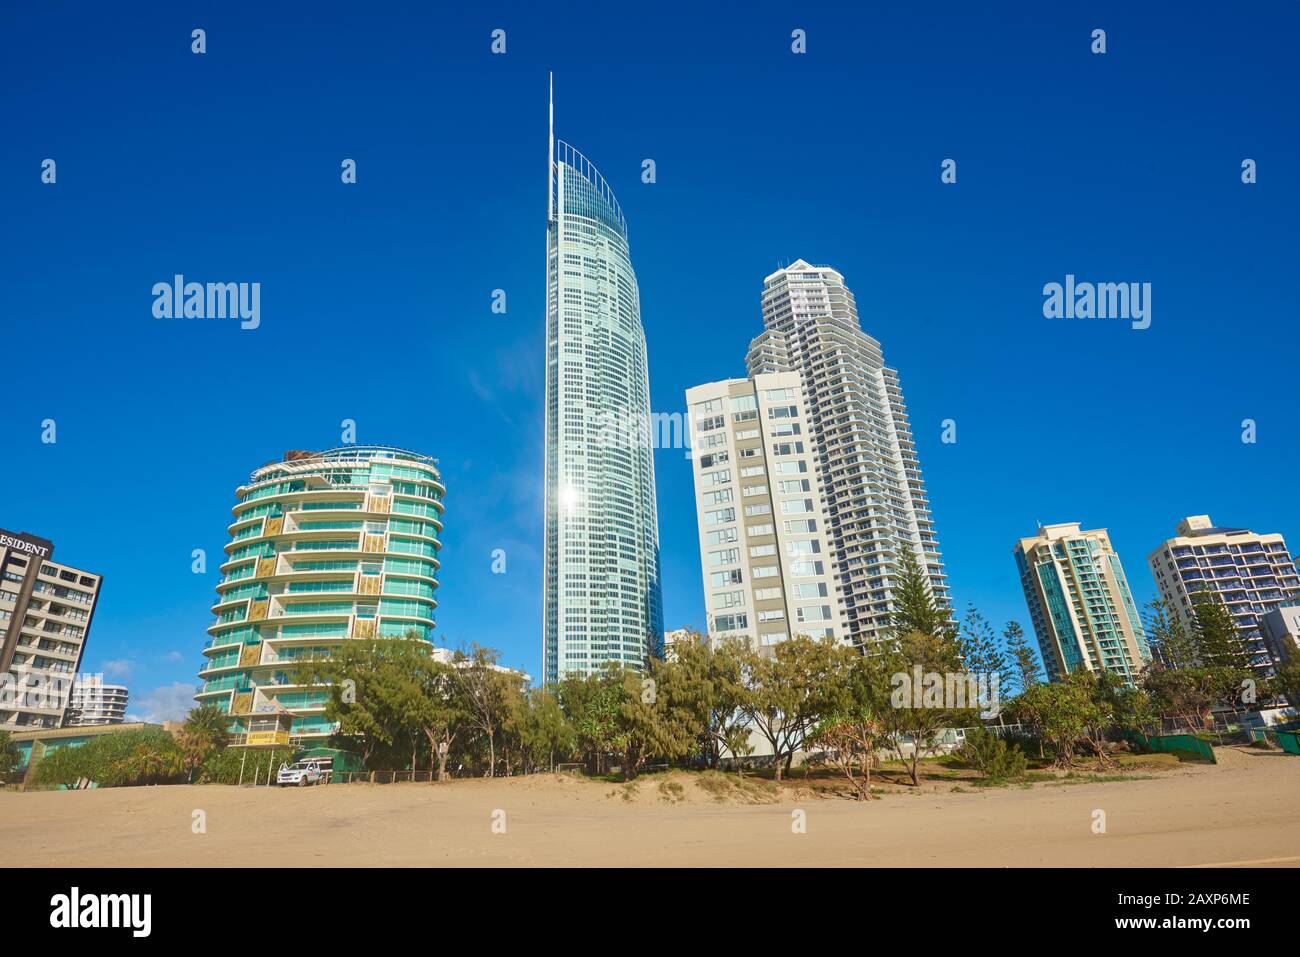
(376, 296)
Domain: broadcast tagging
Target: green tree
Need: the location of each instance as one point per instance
(117, 759)
(647, 721)
(706, 683)
(913, 726)
(851, 732)
(376, 694)
(1221, 645)
(787, 693)
(544, 732)
(1023, 657)
(10, 757)
(487, 691)
(1062, 711)
(915, 608)
(203, 732)
(591, 705)
(982, 655)
(1176, 647)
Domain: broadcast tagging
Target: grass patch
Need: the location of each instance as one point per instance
(1075, 777)
(671, 791)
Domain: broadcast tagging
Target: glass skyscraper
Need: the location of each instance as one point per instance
(601, 592)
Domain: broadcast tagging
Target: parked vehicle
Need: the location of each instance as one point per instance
(301, 773)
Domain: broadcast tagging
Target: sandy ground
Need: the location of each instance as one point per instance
(1244, 811)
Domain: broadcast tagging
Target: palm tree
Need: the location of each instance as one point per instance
(209, 721)
(204, 730)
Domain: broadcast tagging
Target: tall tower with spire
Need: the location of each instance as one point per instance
(601, 591)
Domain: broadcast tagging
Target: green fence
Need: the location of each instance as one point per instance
(1290, 741)
(1173, 743)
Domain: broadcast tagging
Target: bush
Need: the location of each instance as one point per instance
(120, 759)
(993, 757)
(222, 765)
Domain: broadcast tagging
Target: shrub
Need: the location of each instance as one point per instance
(222, 765)
(120, 759)
(993, 757)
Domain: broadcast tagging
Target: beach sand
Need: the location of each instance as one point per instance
(1243, 811)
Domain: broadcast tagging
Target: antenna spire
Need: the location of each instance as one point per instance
(550, 150)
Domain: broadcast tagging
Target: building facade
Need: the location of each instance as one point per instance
(765, 546)
(96, 703)
(1282, 630)
(1251, 573)
(45, 614)
(1080, 604)
(601, 585)
(860, 436)
(324, 547)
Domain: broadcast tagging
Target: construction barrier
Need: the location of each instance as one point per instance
(1170, 743)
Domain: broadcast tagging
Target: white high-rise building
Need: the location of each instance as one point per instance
(96, 703)
(1251, 573)
(601, 590)
(764, 543)
(866, 461)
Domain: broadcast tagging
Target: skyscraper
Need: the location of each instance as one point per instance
(1251, 573)
(601, 594)
(324, 547)
(764, 541)
(1080, 604)
(866, 461)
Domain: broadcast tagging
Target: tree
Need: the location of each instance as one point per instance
(788, 693)
(442, 711)
(908, 721)
(116, 759)
(543, 730)
(1221, 645)
(1063, 711)
(851, 734)
(1288, 679)
(981, 654)
(992, 756)
(591, 706)
(486, 690)
(10, 756)
(706, 682)
(915, 609)
(1022, 655)
(647, 722)
(203, 732)
(1175, 646)
(377, 694)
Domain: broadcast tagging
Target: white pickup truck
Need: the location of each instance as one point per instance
(301, 773)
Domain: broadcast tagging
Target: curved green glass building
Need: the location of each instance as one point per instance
(601, 591)
(324, 547)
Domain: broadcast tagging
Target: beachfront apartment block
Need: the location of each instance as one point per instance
(768, 567)
(45, 612)
(96, 702)
(324, 547)
(859, 436)
(1250, 572)
(1080, 603)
